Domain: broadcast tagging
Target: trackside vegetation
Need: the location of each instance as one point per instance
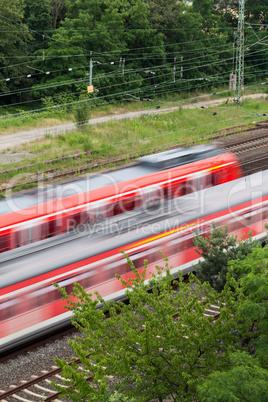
(161, 345)
(217, 250)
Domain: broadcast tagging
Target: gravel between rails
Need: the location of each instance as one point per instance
(22, 367)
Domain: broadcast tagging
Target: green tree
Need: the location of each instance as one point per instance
(110, 30)
(150, 354)
(217, 250)
(37, 16)
(14, 36)
(59, 9)
(246, 380)
(249, 278)
(227, 9)
(82, 112)
(256, 12)
(163, 14)
(245, 377)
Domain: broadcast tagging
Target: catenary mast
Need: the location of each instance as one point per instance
(239, 61)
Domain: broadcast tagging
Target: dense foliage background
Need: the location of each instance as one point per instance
(139, 48)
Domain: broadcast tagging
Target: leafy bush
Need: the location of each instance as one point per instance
(81, 113)
(217, 250)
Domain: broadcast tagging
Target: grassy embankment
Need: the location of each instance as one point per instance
(131, 136)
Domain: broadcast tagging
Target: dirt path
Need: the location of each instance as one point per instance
(11, 140)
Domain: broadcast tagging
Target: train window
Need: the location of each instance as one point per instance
(21, 237)
(205, 228)
(214, 179)
(172, 247)
(265, 213)
(252, 216)
(124, 268)
(112, 269)
(38, 298)
(61, 225)
(102, 212)
(168, 250)
(154, 255)
(173, 191)
(35, 233)
(208, 181)
(119, 267)
(138, 258)
(76, 218)
(85, 280)
(51, 294)
(83, 217)
(138, 262)
(256, 215)
(186, 242)
(64, 224)
(156, 195)
(4, 243)
(138, 202)
(17, 244)
(8, 310)
(183, 188)
(117, 209)
(237, 222)
(167, 192)
(125, 205)
(189, 186)
(248, 217)
(91, 215)
(52, 228)
(68, 284)
(43, 231)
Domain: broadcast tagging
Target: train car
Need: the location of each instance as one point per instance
(31, 305)
(44, 213)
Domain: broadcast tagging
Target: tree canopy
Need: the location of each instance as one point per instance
(217, 249)
(139, 48)
(14, 37)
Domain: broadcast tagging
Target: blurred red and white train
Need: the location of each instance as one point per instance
(31, 305)
(44, 213)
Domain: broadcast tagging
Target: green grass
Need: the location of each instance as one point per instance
(13, 118)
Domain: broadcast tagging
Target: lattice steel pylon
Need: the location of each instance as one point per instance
(239, 61)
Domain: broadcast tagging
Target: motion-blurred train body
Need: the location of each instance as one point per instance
(29, 302)
(44, 213)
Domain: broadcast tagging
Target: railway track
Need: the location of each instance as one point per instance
(239, 147)
(248, 145)
(254, 165)
(34, 345)
(40, 388)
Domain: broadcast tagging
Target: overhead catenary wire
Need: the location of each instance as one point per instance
(196, 50)
(123, 93)
(159, 66)
(163, 66)
(185, 61)
(115, 94)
